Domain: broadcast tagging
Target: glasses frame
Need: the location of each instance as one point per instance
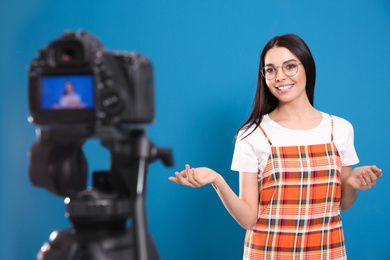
(276, 69)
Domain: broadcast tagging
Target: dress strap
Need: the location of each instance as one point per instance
(331, 121)
(262, 130)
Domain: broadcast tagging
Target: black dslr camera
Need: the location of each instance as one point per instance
(75, 81)
(77, 90)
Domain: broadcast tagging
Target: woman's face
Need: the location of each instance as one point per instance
(69, 88)
(286, 88)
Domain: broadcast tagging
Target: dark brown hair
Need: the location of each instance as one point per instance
(264, 102)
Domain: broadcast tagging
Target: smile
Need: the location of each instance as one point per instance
(284, 87)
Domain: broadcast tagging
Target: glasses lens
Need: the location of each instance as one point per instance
(290, 68)
(269, 72)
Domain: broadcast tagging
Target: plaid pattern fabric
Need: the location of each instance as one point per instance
(299, 215)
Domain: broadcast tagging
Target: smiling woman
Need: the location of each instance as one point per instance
(279, 82)
(295, 164)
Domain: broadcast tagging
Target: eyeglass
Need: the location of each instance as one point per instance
(290, 68)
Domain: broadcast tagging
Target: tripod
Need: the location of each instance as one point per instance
(99, 214)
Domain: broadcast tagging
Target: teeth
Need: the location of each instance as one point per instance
(285, 87)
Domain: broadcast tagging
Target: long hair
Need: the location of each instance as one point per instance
(264, 102)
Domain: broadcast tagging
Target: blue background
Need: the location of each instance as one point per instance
(205, 56)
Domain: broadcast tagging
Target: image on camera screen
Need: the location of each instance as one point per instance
(67, 92)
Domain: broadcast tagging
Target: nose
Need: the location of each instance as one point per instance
(280, 74)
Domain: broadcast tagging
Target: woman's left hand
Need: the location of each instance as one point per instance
(365, 177)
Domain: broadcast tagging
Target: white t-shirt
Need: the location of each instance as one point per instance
(251, 153)
(70, 101)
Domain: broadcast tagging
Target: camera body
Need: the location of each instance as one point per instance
(74, 81)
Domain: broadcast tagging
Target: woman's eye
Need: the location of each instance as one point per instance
(290, 66)
(269, 70)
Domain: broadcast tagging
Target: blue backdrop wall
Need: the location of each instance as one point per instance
(205, 56)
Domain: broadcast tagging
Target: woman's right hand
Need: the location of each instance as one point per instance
(195, 177)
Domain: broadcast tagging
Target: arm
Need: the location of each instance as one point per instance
(243, 208)
(360, 178)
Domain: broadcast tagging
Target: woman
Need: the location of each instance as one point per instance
(70, 99)
(295, 164)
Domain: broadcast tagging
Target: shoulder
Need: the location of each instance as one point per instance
(251, 150)
(340, 120)
(254, 132)
(342, 125)
(343, 131)
(246, 132)
(344, 141)
(251, 135)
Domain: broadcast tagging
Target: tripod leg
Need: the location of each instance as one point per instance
(139, 213)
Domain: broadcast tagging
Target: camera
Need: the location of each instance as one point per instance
(75, 81)
(77, 91)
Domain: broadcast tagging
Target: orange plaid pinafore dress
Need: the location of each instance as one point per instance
(299, 215)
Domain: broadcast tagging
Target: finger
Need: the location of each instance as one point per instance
(190, 176)
(187, 170)
(373, 178)
(179, 177)
(378, 173)
(193, 177)
(374, 168)
(184, 181)
(173, 179)
(362, 180)
(367, 177)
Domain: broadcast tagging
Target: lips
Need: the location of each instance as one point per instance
(284, 88)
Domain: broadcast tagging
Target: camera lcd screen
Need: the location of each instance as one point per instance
(67, 92)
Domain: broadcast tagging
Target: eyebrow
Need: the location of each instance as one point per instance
(270, 64)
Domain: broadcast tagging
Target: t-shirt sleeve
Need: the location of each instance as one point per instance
(344, 139)
(244, 156)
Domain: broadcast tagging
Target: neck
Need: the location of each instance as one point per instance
(295, 109)
(296, 115)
